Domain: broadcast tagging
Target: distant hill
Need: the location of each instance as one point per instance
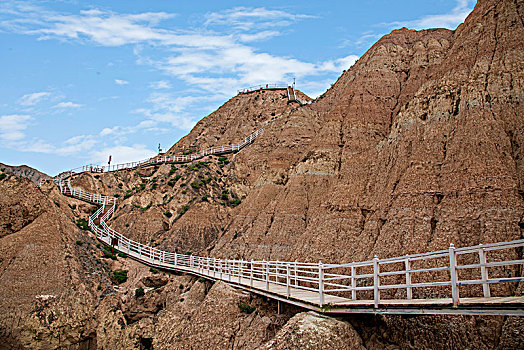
(24, 171)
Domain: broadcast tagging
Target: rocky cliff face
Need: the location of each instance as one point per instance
(24, 171)
(417, 146)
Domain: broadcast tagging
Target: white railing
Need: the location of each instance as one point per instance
(161, 159)
(262, 87)
(481, 270)
(435, 273)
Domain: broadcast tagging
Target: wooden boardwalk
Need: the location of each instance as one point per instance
(334, 288)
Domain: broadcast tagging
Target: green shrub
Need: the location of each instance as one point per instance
(153, 270)
(127, 195)
(97, 177)
(246, 308)
(235, 202)
(168, 214)
(204, 198)
(3, 176)
(184, 209)
(171, 183)
(99, 287)
(122, 255)
(139, 292)
(184, 191)
(120, 185)
(178, 177)
(98, 245)
(201, 279)
(181, 299)
(173, 169)
(117, 195)
(142, 185)
(120, 276)
(82, 224)
(195, 184)
(153, 187)
(79, 242)
(183, 184)
(224, 196)
(181, 286)
(222, 159)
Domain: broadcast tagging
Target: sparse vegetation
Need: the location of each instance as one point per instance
(82, 224)
(153, 270)
(246, 308)
(168, 214)
(122, 255)
(183, 210)
(3, 176)
(120, 276)
(139, 292)
(204, 198)
(79, 242)
(173, 169)
(235, 202)
(195, 184)
(201, 279)
(181, 286)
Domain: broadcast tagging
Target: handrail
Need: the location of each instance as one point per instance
(347, 282)
(314, 277)
(161, 159)
(262, 87)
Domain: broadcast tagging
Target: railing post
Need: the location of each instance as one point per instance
(295, 267)
(407, 264)
(376, 282)
(320, 283)
(251, 273)
(453, 274)
(484, 273)
(267, 274)
(288, 280)
(353, 283)
(176, 259)
(240, 271)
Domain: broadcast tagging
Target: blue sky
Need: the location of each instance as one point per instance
(85, 79)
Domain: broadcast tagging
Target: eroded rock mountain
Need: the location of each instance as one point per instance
(416, 146)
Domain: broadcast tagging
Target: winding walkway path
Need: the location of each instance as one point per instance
(396, 285)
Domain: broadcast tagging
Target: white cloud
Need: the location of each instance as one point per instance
(245, 18)
(64, 105)
(148, 125)
(264, 35)
(122, 154)
(162, 84)
(77, 145)
(34, 98)
(121, 82)
(12, 126)
(448, 20)
(166, 108)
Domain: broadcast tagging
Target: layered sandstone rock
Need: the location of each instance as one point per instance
(417, 146)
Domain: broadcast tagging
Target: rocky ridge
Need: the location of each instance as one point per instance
(418, 145)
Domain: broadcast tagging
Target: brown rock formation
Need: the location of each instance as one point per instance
(417, 146)
(24, 171)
